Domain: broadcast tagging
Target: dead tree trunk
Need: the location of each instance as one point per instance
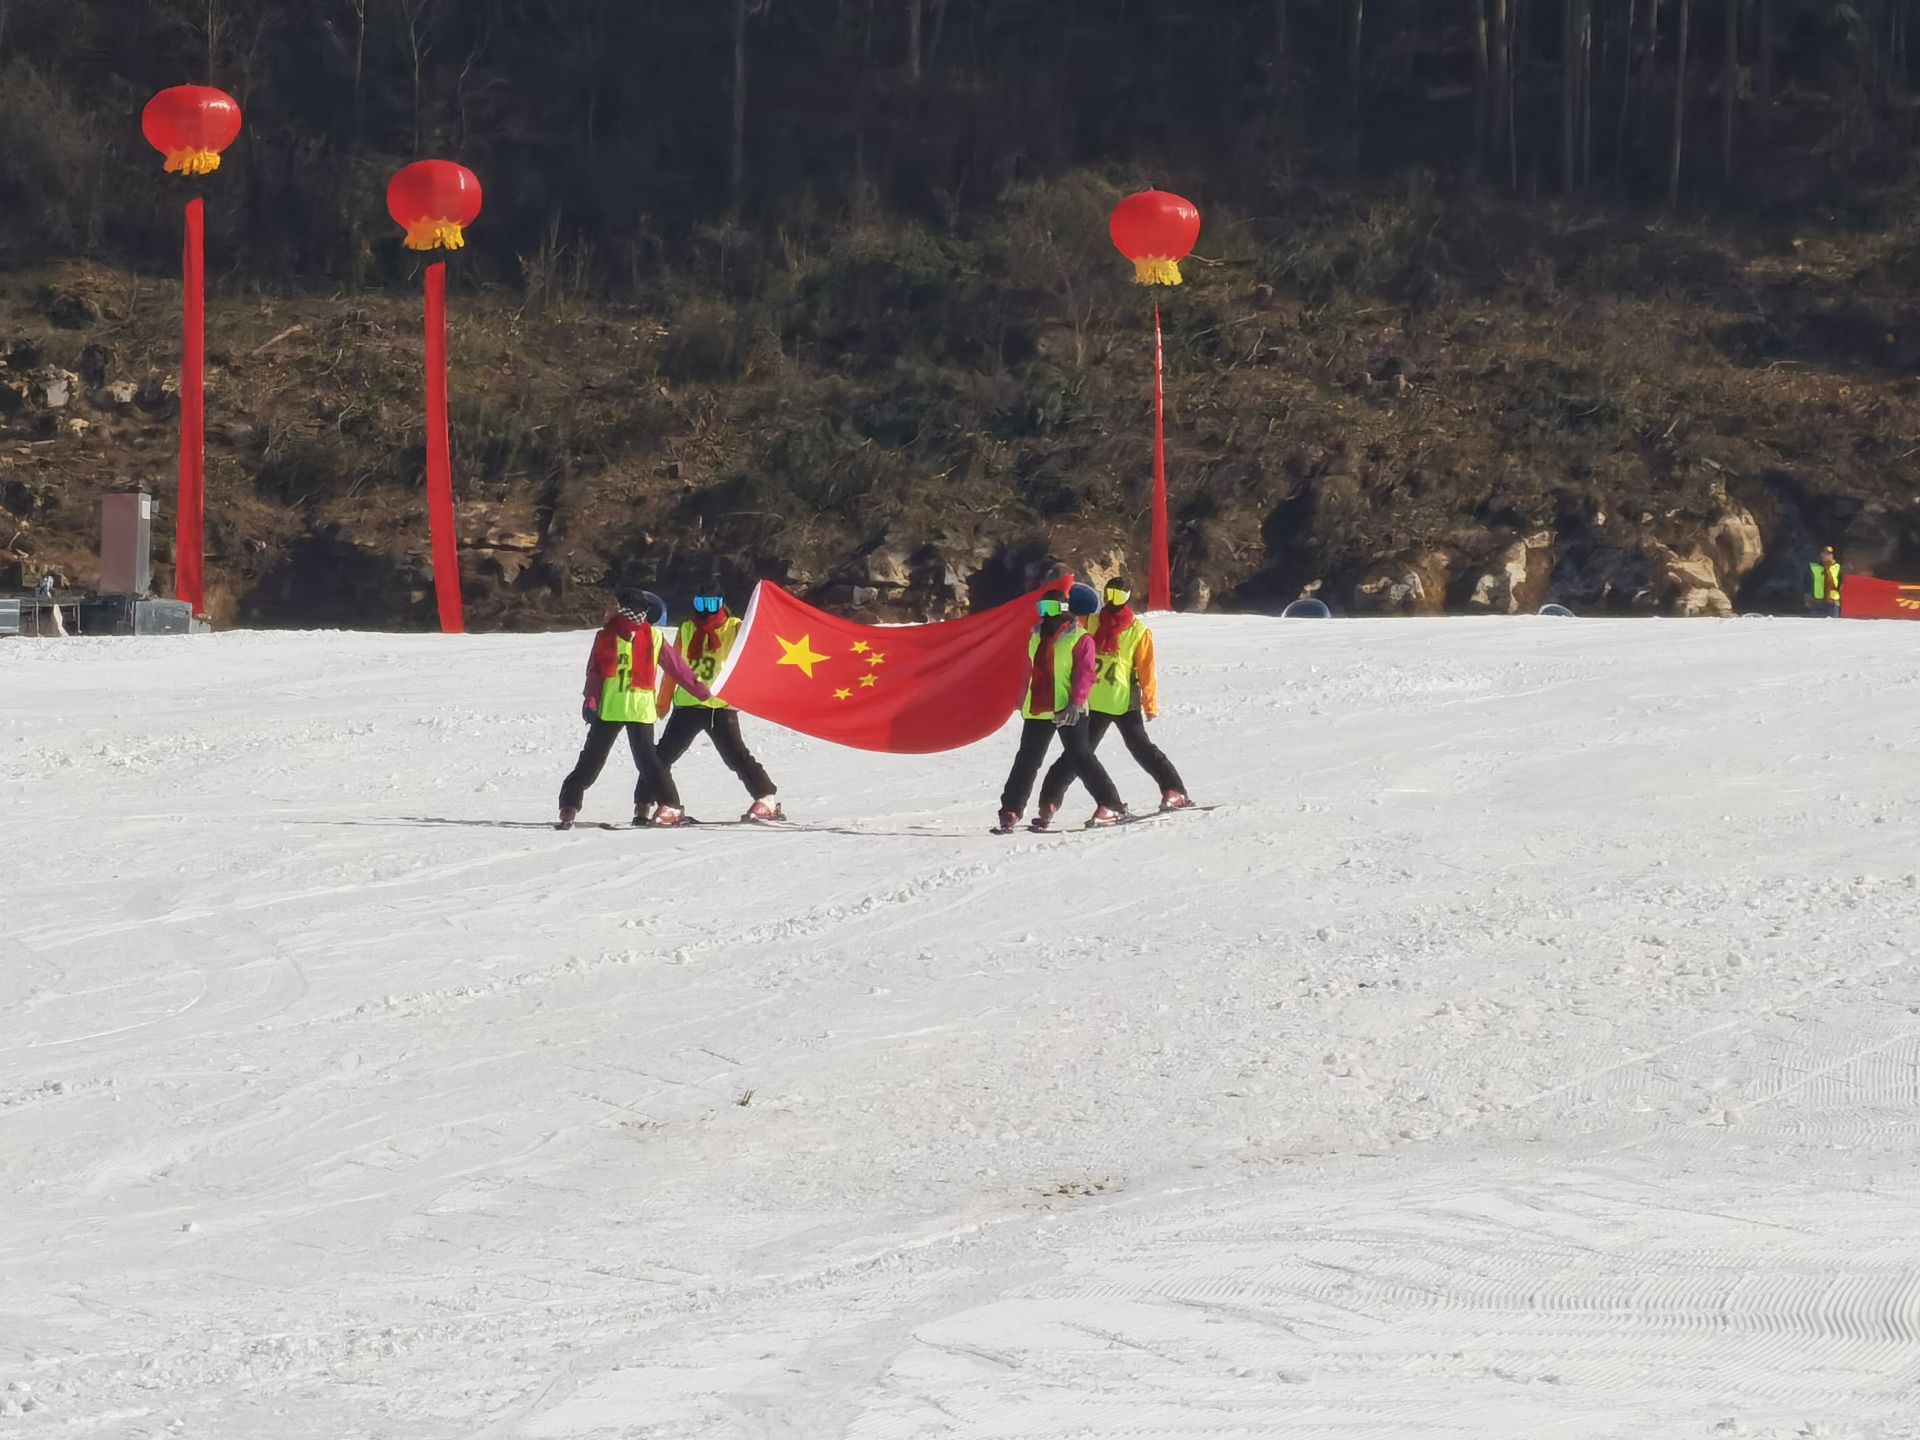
(1498, 82)
(1482, 72)
(1626, 99)
(1569, 94)
(738, 168)
(1765, 57)
(1729, 88)
(1356, 22)
(1679, 107)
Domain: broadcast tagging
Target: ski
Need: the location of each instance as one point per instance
(1130, 818)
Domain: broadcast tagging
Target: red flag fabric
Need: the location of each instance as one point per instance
(901, 689)
(1864, 598)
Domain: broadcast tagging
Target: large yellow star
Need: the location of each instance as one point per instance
(843, 694)
(800, 654)
(866, 681)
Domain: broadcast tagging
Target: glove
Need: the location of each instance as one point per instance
(1069, 717)
(590, 710)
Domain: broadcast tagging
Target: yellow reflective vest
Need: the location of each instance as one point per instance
(708, 665)
(1064, 639)
(619, 700)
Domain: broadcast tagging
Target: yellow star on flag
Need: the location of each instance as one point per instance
(800, 654)
(876, 658)
(843, 694)
(859, 647)
(867, 680)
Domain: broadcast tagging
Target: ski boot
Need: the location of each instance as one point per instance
(567, 816)
(1106, 815)
(1043, 818)
(1008, 820)
(644, 818)
(761, 813)
(1175, 800)
(665, 816)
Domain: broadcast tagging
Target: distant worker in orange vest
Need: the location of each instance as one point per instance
(1823, 585)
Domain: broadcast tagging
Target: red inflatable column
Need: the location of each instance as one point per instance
(189, 545)
(1160, 581)
(446, 550)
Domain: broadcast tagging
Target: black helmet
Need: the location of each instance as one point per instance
(642, 603)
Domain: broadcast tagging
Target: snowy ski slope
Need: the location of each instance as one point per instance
(1530, 1047)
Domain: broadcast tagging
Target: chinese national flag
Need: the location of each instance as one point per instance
(904, 689)
(1862, 598)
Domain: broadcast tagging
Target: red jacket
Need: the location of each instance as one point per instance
(604, 661)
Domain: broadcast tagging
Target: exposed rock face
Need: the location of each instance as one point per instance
(1690, 585)
(1517, 581)
(1735, 542)
(52, 388)
(1416, 586)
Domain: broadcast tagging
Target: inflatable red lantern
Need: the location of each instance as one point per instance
(434, 201)
(191, 125)
(1156, 231)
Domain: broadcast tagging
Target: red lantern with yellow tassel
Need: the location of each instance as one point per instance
(434, 201)
(191, 125)
(1156, 231)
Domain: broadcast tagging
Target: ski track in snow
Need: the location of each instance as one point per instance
(1529, 1046)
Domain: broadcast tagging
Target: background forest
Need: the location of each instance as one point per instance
(1609, 301)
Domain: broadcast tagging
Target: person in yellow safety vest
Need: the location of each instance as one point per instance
(706, 641)
(1823, 585)
(630, 655)
(1126, 695)
(1060, 675)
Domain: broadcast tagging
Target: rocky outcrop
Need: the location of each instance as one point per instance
(1517, 581)
(1414, 585)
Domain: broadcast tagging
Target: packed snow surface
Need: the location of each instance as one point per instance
(1529, 1046)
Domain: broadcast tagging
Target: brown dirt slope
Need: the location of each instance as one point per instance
(1409, 403)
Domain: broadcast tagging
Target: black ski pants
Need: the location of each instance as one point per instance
(722, 726)
(1133, 730)
(1036, 736)
(656, 780)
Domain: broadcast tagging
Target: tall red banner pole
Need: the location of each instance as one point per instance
(189, 582)
(1160, 581)
(446, 550)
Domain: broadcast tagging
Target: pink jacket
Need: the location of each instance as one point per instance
(1085, 669)
(1085, 666)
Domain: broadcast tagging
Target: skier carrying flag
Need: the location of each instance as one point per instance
(705, 641)
(1061, 677)
(623, 683)
(1125, 693)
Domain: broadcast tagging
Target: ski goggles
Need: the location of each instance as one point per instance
(708, 604)
(1049, 608)
(1118, 596)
